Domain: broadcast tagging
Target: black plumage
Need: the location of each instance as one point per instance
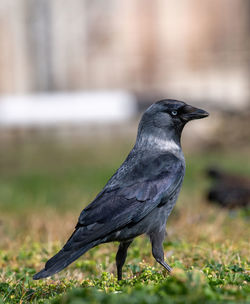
(228, 190)
(142, 193)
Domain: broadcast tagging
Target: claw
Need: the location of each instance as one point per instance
(166, 266)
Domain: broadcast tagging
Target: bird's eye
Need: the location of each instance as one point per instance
(174, 113)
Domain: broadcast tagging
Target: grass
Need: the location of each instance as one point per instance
(43, 188)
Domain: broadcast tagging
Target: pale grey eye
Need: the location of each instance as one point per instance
(174, 113)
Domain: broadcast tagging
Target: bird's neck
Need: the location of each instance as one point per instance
(158, 140)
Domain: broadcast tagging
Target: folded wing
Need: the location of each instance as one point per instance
(141, 190)
(129, 196)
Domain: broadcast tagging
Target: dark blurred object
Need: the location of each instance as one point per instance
(230, 191)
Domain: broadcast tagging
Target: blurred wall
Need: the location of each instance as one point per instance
(180, 48)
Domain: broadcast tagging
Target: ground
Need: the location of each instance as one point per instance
(43, 187)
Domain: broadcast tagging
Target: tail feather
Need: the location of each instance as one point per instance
(61, 260)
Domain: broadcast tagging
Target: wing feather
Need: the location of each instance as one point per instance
(130, 201)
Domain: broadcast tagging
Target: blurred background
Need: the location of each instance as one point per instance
(75, 77)
(66, 66)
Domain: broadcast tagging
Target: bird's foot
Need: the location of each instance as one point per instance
(166, 266)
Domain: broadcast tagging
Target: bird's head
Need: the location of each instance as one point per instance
(166, 119)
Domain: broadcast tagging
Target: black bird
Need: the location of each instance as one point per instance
(228, 190)
(139, 197)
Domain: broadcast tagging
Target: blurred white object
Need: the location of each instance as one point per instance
(67, 108)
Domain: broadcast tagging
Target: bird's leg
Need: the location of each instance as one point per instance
(156, 239)
(121, 257)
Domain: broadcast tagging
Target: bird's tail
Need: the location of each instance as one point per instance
(61, 260)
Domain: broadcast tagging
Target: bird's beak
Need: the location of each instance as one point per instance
(190, 113)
